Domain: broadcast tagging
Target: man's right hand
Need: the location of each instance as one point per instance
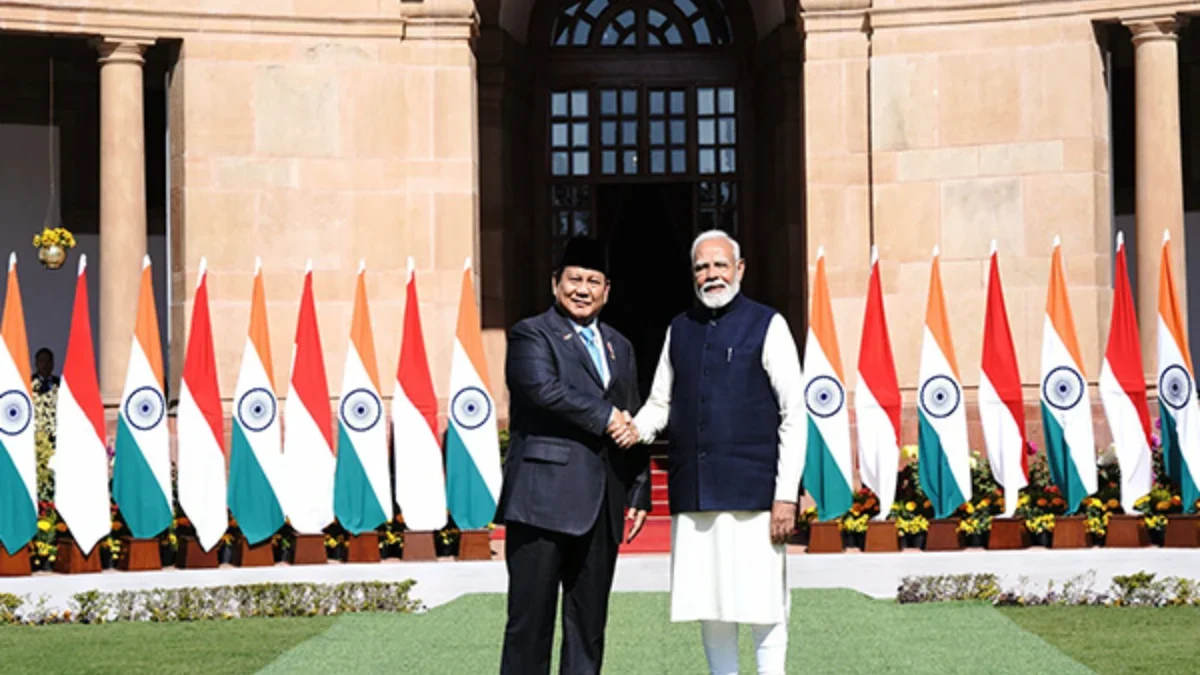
(622, 429)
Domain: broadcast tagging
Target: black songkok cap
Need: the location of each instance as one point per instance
(586, 253)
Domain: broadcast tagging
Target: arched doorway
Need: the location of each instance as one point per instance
(640, 116)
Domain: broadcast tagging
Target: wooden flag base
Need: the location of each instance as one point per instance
(1070, 532)
(1183, 531)
(261, 554)
(363, 548)
(138, 555)
(943, 535)
(15, 565)
(1126, 531)
(193, 557)
(824, 537)
(309, 550)
(475, 545)
(881, 537)
(419, 546)
(1007, 534)
(70, 559)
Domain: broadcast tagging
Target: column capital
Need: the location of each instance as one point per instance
(440, 20)
(114, 49)
(1154, 28)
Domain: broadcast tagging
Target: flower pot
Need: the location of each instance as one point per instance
(1158, 537)
(1045, 539)
(914, 540)
(52, 257)
(106, 561)
(975, 540)
(225, 555)
(166, 554)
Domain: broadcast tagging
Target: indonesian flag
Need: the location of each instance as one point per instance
(877, 399)
(472, 447)
(255, 459)
(942, 419)
(362, 496)
(1179, 409)
(18, 460)
(420, 481)
(80, 460)
(200, 428)
(1001, 405)
(1123, 389)
(308, 462)
(1066, 406)
(828, 474)
(142, 467)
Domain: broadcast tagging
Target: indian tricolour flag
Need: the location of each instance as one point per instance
(200, 427)
(362, 494)
(1001, 404)
(877, 399)
(254, 458)
(1180, 411)
(80, 460)
(142, 467)
(420, 480)
(472, 446)
(18, 461)
(1123, 389)
(1066, 406)
(308, 461)
(941, 416)
(828, 474)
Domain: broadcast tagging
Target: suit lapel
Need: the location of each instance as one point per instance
(568, 334)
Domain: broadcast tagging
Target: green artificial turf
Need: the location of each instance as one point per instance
(235, 646)
(1127, 640)
(832, 631)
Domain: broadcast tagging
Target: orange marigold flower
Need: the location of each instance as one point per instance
(1176, 500)
(60, 526)
(1162, 506)
(1113, 503)
(1042, 501)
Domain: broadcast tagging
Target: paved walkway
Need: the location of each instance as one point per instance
(876, 574)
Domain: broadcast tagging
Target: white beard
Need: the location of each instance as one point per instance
(720, 298)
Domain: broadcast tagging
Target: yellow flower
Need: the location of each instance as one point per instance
(44, 525)
(968, 508)
(910, 506)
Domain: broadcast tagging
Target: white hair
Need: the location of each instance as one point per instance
(717, 234)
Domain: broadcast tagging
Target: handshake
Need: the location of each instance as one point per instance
(622, 429)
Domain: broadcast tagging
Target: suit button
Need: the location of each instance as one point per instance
(703, 455)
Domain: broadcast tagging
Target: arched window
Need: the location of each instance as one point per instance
(641, 23)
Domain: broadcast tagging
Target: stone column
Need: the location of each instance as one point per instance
(1159, 190)
(122, 204)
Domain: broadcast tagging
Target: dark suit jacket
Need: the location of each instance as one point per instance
(560, 460)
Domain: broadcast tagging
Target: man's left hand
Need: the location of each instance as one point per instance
(783, 521)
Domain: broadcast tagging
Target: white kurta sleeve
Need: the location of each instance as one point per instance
(653, 416)
(782, 363)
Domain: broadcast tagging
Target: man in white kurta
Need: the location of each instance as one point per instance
(733, 499)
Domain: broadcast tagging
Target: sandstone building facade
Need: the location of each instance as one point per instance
(440, 129)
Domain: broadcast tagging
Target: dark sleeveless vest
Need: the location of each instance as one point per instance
(724, 422)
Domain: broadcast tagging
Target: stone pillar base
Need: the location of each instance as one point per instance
(1007, 534)
(881, 537)
(943, 535)
(1126, 531)
(363, 548)
(1070, 532)
(419, 546)
(475, 545)
(1182, 531)
(71, 560)
(824, 537)
(193, 557)
(309, 550)
(16, 564)
(258, 555)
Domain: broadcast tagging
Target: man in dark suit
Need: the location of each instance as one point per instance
(567, 482)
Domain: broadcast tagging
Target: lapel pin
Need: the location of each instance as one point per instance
(568, 336)
(611, 354)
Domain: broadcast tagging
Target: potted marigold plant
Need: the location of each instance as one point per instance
(975, 522)
(1156, 508)
(912, 509)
